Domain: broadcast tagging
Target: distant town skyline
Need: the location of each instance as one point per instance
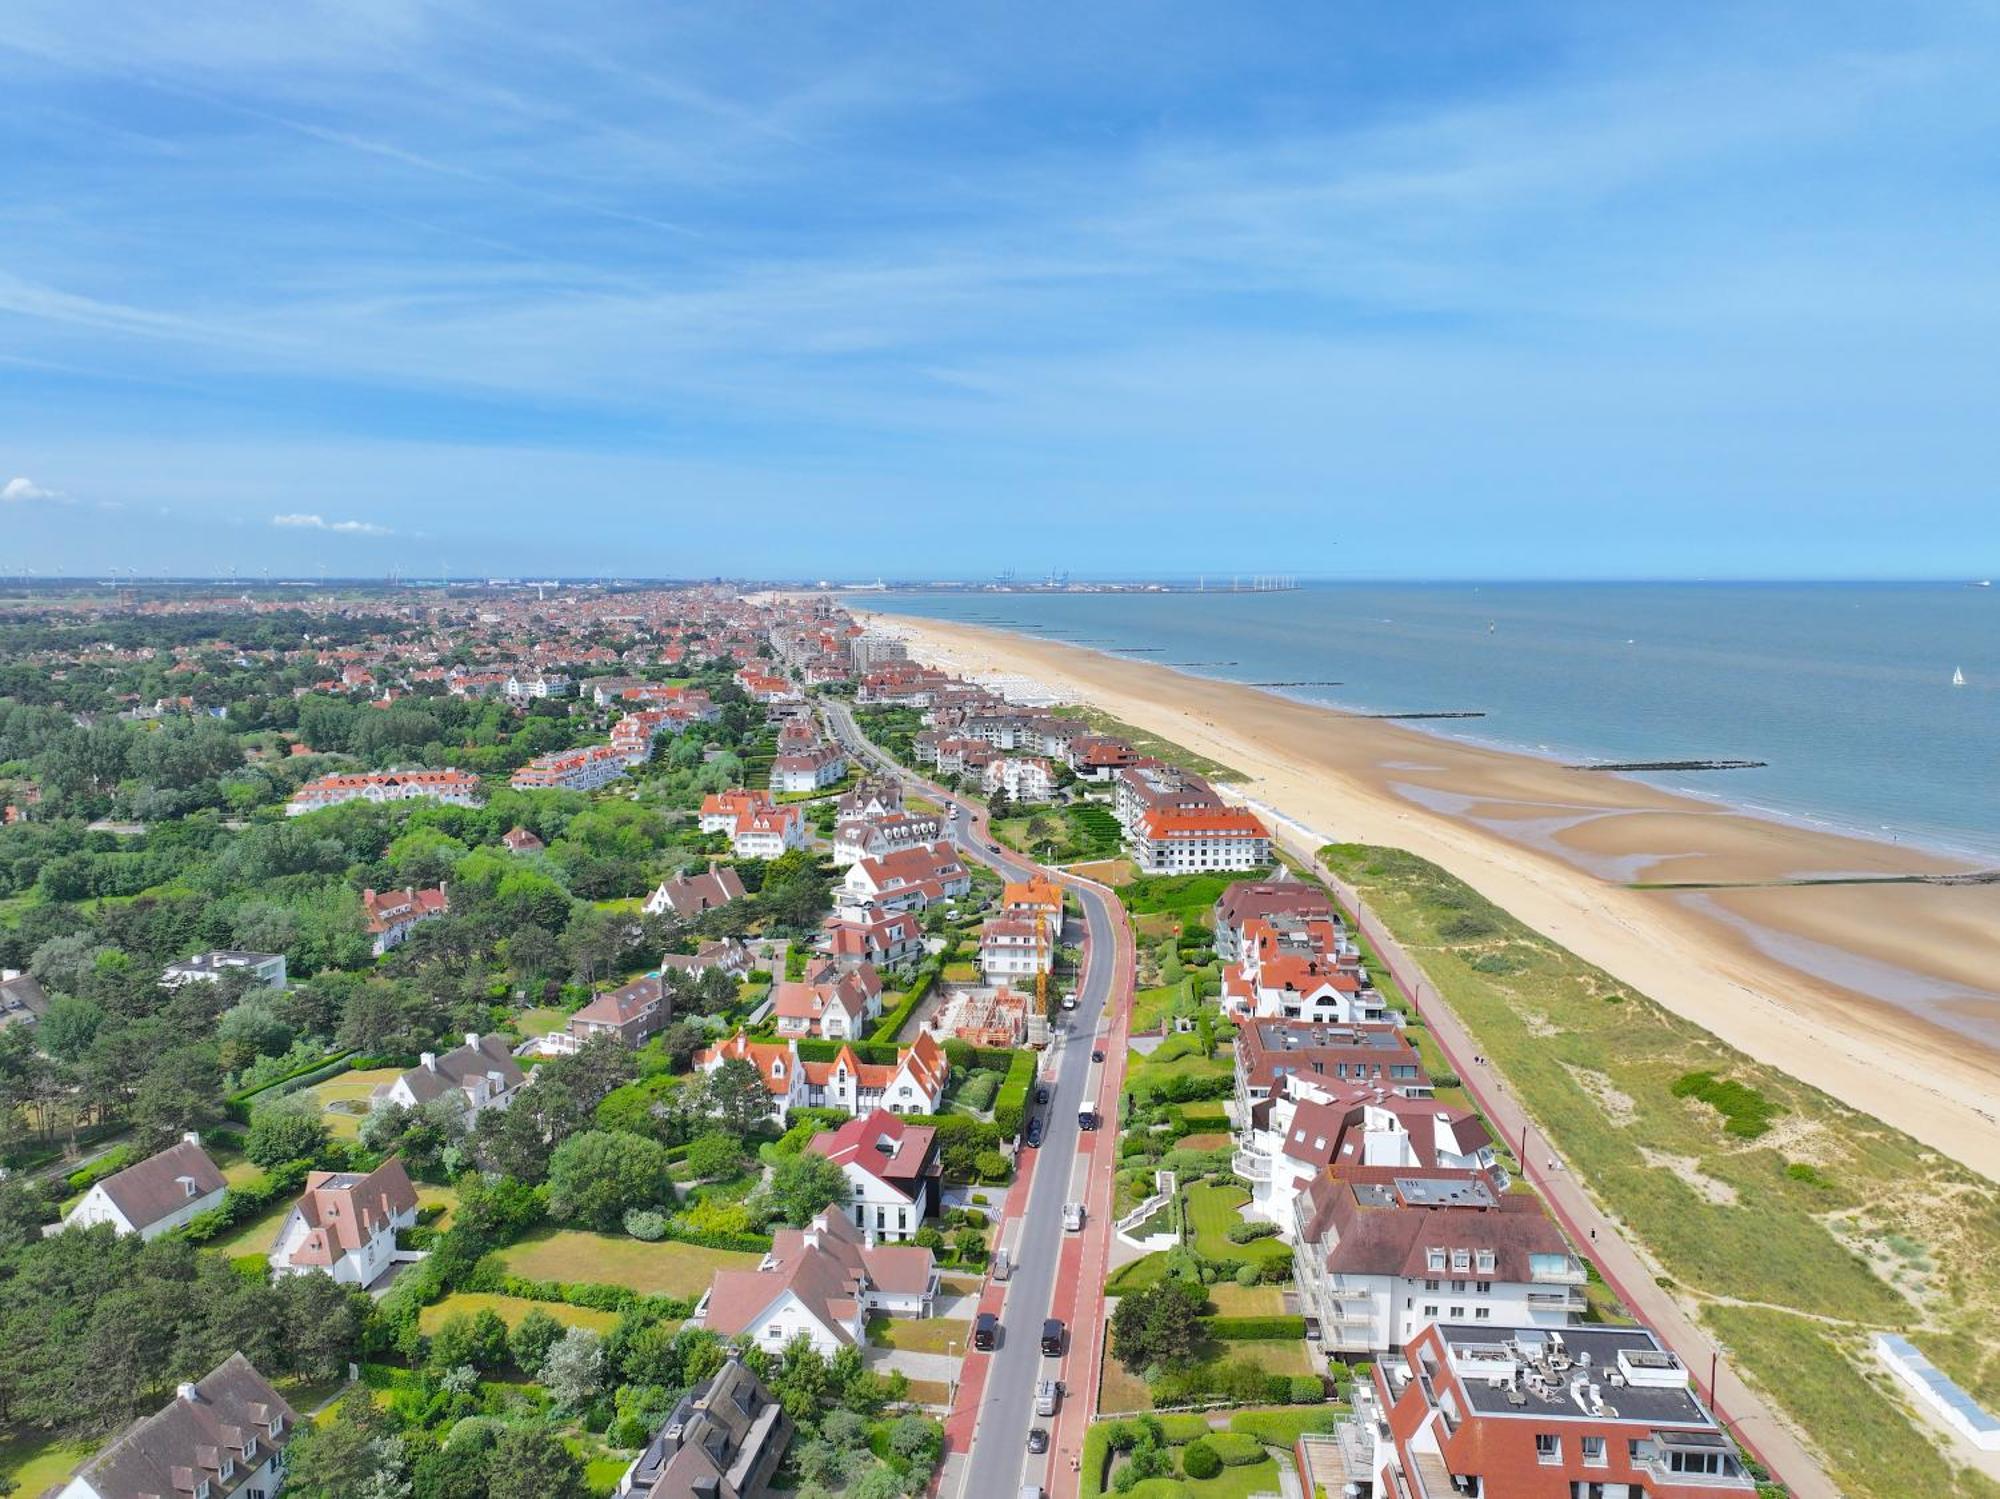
(1546, 291)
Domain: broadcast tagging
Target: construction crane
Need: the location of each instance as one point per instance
(1041, 968)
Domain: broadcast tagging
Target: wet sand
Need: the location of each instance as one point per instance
(1885, 996)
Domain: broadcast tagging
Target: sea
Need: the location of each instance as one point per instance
(1845, 690)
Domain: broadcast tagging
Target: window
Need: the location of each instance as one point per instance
(1593, 1452)
(1431, 1311)
(1461, 1259)
(1458, 1288)
(1486, 1261)
(1483, 1287)
(1435, 1259)
(1548, 1448)
(1482, 1314)
(774, 1332)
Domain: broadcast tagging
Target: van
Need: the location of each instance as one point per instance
(1045, 1397)
(1052, 1337)
(1072, 1216)
(985, 1330)
(1032, 1491)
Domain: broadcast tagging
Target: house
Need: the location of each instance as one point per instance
(268, 968)
(869, 837)
(521, 841)
(392, 917)
(724, 1440)
(583, 769)
(482, 1074)
(1023, 779)
(839, 1007)
(688, 896)
(872, 796)
(868, 934)
(453, 786)
(1533, 1412)
(822, 1281)
(634, 1013)
(758, 828)
(914, 1084)
(810, 769)
(1300, 969)
(731, 956)
(909, 879)
(1265, 900)
(1194, 842)
(223, 1437)
(22, 1000)
(162, 1192)
(1382, 1253)
(893, 1172)
(1013, 947)
(1268, 1052)
(345, 1224)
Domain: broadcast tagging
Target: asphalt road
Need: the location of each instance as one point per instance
(999, 1463)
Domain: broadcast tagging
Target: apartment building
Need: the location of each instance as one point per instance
(583, 769)
(453, 786)
(1015, 947)
(1270, 1052)
(911, 879)
(1269, 901)
(1022, 778)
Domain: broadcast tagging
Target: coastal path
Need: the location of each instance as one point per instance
(1054, 1274)
(1759, 1428)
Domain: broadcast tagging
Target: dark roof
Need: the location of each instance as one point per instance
(217, 1416)
(151, 1190)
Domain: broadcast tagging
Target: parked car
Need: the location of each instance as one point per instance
(1072, 1216)
(1097, 1054)
(1052, 1337)
(1045, 1397)
(1002, 1266)
(985, 1330)
(1035, 1130)
(1038, 1439)
(1042, 1094)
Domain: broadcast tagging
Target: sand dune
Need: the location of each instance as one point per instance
(1887, 997)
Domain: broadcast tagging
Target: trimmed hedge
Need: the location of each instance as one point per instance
(1235, 1449)
(596, 1297)
(241, 1204)
(113, 1161)
(892, 1023)
(1254, 1329)
(237, 1105)
(1010, 1105)
(1183, 1428)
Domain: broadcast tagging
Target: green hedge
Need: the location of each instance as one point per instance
(237, 1106)
(1235, 1449)
(113, 1161)
(714, 1239)
(1010, 1105)
(1184, 1428)
(589, 1294)
(1254, 1329)
(241, 1204)
(1282, 1428)
(893, 1022)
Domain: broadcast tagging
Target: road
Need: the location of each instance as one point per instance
(988, 1431)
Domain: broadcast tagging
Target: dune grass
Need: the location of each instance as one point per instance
(1836, 1222)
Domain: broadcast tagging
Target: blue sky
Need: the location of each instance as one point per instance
(840, 289)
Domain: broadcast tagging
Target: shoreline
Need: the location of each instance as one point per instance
(1913, 1034)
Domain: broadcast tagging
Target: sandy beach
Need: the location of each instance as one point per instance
(1885, 996)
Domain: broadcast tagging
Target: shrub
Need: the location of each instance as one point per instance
(1746, 1113)
(1248, 1275)
(1199, 1460)
(1244, 1233)
(1307, 1389)
(643, 1223)
(1254, 1329)
(1235, 1448)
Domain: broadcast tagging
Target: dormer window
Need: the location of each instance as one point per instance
(1461, 1259)
(1486, 1260)
(1434, 1259)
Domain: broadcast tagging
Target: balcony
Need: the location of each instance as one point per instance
(1557, 1301)
(1252, 1165)
(1556, 1270)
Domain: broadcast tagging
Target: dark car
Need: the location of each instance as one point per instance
(1035, 1130)
(985, 1330)
(1042, 1094)
(1038, 1439)
(1086, 1120)
(1097, 1056)
(993, 848)
(1052, 1337)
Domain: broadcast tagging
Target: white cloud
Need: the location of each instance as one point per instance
(22, 491)
(321, 523)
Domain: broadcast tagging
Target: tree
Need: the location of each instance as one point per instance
(596, 1176)
(735, 1094)
(181, 1091)
(353, 1454)
(70, 1025)
(320, 1324)
(289, 1129)
(573, 1371)
(714, 1154)
(1158, 1328)
(532, 1338)
(805, 1185)
(530, 1462)
(478, 1342)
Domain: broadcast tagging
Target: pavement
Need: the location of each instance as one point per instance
(1056, 1274)
(1742, 1410)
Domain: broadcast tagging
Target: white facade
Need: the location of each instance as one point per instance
(1022, 780)
(1374, 1313)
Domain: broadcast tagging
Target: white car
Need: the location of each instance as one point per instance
(1072, 1217)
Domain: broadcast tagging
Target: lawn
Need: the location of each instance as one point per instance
(240, 1171)
(511, 1310)
(36, 1462)
(1212, 1211)
(433, 1196)
(1232, 1300)
(1121, 1391)
(1230, 1483)
(1830, 1215)
(929, 1391)
(1180, 1056)
(664, 1269)
(919, 1334)
(344, 1099)
(541, 1020)
(1151, 1007)
(259, 1235)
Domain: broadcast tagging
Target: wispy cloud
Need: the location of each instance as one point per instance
(25, 491)
(321, 523)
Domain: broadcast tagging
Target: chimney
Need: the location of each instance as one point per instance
(188, 1393)
(192, 1138)
(430, 1061)
(472, 1039)
(368, 897)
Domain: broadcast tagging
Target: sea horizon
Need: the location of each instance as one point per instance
(1862, 731)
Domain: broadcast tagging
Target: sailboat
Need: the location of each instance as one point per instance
(1958, 676)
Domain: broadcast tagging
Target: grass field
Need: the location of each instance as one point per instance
(1832, 1224)
(919, 1334)
(259, 1235)
(664, 1269)
(1107, 871)
(1232, 1300)
(1212, 1211)
(344, 1099)
(929, 1391)
(240, 1171)
(1180, 1056)
(444, 1197)
(540, 1020)
(1230, 1483)
(511, 1310)
(37, 1462)
(1151, 1007)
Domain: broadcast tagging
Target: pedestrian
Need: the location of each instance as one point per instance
(1552, 1164)
(1593, 1236)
